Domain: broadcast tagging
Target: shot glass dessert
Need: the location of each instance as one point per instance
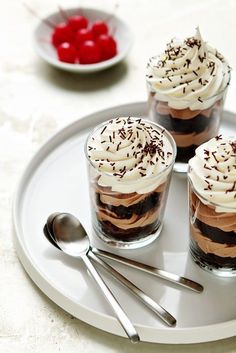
(187, 86)
(212, 206)
(129, 163)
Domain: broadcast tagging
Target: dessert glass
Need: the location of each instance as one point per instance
(189, 128)
(212, 234)
(128, 219)
(187, 84)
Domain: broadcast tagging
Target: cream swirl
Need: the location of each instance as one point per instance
(213, 173)
(131, 154)
(189, 74)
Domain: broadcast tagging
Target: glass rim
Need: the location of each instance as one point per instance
(207, 200)
(166, 133)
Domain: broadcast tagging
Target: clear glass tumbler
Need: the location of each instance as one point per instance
(212, 234)
(189, 128)
(129, 219)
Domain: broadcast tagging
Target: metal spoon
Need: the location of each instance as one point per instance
(149, 302)
(171, 277)
(75, 243)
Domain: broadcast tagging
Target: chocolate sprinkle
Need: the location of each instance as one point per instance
(231, 189)
(206, 167)
(103, 129)
(219, 137)
(213, 154)
(233, 145)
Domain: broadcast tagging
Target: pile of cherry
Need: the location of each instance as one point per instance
(79, 42)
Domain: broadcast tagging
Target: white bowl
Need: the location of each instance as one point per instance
(46, 50)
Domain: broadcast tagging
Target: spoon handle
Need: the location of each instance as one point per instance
(120, 314)
(182, 281)
(149, 302)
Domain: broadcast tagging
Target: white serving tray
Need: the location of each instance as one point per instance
(56, 180)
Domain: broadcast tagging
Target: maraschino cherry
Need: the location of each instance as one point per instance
(66, 52)
(77, 22)
(62, 33)
(99, 27)
(89, 52)
(82, 35)
(107, 45)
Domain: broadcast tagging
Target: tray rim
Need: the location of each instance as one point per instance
(198, 334)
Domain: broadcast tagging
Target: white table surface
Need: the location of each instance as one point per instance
(37, 100)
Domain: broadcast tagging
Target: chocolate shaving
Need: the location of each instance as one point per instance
(233, 145)
(118, 146)
(142, 174)
(231, 189)
(219, 137)
(213, 154)
(188, 62)
(206, 167)
(103, 129)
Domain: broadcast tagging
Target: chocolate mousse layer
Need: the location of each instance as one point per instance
(190, 128)
(130, 216)
(213, 234)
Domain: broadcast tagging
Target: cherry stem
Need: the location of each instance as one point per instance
(80, 11)
(63, 13)
(34, 13)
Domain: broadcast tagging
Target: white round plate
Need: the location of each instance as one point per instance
(45, 49)
(56, 180)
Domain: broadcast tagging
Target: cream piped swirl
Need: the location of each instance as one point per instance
(131, 154)
(189, 74)
(213, 173)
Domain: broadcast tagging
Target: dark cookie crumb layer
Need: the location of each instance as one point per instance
(185, 153)
(197, 124)
(132, 234)
(212, 260)
(215, 234)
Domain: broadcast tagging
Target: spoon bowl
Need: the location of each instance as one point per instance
(69, 234)
(50, 237)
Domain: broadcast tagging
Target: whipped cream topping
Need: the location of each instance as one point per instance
(132, 154)
(189, 74)
(213, 173)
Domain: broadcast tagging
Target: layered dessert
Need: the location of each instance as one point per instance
(212, 202)
(130, 162)
(187, 86)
